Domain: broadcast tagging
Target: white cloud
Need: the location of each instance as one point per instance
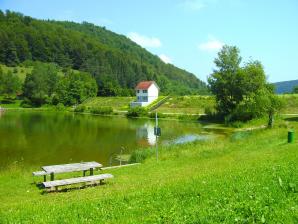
(192, 5)
(165, 59)
(144, 41)
(211, 45)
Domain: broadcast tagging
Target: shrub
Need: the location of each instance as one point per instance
(137, 112)
(140, 155)
(60, 107)
(80, 108)
(7, 100)
(26, 103)
(101, 110)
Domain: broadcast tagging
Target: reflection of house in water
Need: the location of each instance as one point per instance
(145, 135)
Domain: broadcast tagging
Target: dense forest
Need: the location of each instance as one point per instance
(113, 61)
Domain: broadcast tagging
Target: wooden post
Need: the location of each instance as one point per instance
(52, 176)
(84, 173)
(44, 178)
(91, 171)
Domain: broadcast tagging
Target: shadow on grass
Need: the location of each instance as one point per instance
(295, 119)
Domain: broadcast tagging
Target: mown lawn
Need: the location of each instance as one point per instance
(250, 178)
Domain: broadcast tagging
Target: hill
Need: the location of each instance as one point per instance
(286, 86)
(116, 62)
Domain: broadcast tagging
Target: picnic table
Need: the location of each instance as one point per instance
(71, 167)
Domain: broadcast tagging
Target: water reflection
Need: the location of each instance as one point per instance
(45, 138)
(145, 134)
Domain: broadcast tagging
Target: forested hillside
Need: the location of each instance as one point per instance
(286, 86)
(114, 61)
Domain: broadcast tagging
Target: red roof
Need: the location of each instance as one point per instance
(144, 85)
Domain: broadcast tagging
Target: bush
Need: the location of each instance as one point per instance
(137, 112)
(140, 155)
(7, 100)
(101, 110)
(60, 107)
(26, 103)
(80, 109)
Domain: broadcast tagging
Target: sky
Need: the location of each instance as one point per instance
(189, 33)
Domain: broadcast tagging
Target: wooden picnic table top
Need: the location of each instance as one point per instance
(71, 167)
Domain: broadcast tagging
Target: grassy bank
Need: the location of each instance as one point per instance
(252, 178)
(187, 104)
(117, 103)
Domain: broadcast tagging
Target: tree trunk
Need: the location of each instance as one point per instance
(271, 120)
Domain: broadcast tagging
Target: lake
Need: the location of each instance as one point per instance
(47, 138)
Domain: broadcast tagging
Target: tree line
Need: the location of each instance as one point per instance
(115, 62)
(46, 84)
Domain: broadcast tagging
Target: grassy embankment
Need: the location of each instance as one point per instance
(117, 103)
(250, 178)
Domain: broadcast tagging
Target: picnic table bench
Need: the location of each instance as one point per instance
(72, 167)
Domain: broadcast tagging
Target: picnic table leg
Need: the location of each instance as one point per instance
(44, 178)
(52, 176)
(91, 171)
(84, 173)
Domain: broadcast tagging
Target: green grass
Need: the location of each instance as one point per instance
(187, 104)
(117, 103)
(252, 179)
(291, 103)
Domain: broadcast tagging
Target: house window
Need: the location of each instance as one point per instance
(145, 91)
(145, 98)
(138, 91)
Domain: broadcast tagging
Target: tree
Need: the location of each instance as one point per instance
(295, 89)
(225, 80)
(41, 84)
(10, 84)
(242, 93)
(75, 87)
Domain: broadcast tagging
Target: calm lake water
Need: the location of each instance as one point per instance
(47, 138)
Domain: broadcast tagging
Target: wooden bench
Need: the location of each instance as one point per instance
(53, 185)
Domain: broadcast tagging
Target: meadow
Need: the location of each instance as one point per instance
(251, 177)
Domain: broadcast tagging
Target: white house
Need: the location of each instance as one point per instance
(146, 93)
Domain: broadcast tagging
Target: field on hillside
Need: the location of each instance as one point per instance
(20, 71)
(291, 103)
(251, 177)
(199, 104)
(187, 104)
(117, 103)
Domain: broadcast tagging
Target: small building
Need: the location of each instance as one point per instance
(146, 93)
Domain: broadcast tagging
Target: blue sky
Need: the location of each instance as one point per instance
(189, 33)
